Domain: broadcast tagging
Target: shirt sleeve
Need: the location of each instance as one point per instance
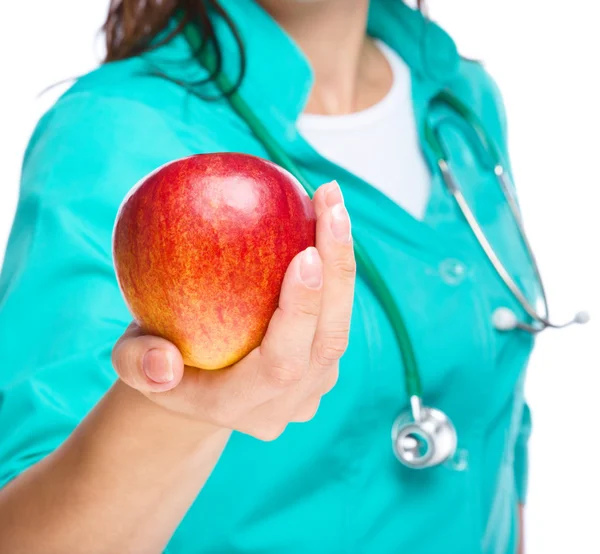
(521, 457)
(61, 310)
(521, 454)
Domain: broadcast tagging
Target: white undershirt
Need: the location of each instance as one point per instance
(379, 144)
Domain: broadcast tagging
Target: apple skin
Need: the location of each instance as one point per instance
(200, 249)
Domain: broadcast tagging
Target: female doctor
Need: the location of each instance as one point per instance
(109, 445)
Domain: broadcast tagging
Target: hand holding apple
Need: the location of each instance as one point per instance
(282, 379)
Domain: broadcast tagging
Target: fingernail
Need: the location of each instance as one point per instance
(333, 195)
(340, 223)
(311, 273)
(158, 366)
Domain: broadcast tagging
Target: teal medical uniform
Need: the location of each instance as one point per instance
(333, 485)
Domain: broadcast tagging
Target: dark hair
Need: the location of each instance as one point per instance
(132, 27)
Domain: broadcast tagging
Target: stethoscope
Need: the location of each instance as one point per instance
(421, 436)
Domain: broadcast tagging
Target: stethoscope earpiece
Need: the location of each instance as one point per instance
(504, 319)
(582, 317)
(422, 436)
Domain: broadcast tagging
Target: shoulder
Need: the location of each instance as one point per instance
(145, 100)
(87, 139)
(114, 102)
(125, 119)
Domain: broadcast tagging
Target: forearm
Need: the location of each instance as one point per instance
(121, 483)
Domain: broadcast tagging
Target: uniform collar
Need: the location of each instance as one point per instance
(278, 76)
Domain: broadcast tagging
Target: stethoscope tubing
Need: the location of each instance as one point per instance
(485, 244)
(541, 319)
(433, 423)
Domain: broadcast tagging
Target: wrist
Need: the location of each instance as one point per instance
(146, 417)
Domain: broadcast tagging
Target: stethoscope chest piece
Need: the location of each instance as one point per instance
(428, 442)
(421, 437)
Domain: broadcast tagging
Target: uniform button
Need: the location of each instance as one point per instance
(453, 271)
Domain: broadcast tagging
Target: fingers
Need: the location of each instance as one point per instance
(334, 242)
(285, 377)
(147, 363)
(285, 350)
(326, 196)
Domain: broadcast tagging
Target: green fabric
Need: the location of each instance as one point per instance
(331, 485)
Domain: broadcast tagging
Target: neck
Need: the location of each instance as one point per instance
(348, 69)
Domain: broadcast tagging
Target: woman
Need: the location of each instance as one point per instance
(179, 460)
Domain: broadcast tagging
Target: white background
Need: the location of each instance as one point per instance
(544, 55)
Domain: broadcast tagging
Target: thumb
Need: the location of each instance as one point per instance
(147, 363)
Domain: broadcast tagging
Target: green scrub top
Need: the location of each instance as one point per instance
(333, 485)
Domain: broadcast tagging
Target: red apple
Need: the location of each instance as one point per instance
(201, 247)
